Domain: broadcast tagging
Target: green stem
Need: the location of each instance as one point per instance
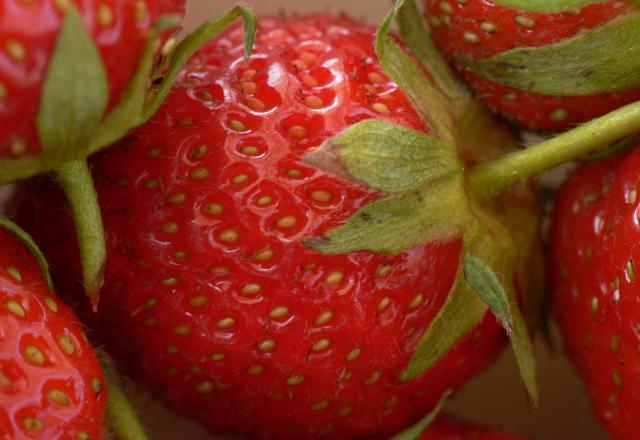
(120, 413)
(489, 179)
(77, 183)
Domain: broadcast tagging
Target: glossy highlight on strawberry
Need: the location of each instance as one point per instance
(211, 294)
(51, 385)
(28, 33)
(481, 29)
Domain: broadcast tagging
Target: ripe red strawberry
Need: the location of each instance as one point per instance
(210, 292)
(447, 428)
(28, 33)
(51, 385)
(482, 29)
(594, 256)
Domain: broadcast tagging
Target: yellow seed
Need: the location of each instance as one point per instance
(471, 37)
(51, 303)
(150, 322)
(15, 273)
(15, 49)
(240, 178)
(319, 406)
(309, 80)
(66, 344)
(5, 382)
(213, 208)
(346, 375)
(631, 270)
(169, 282)
(264, 254)
(266, 345)
(416, 301)
(297, 131)
(353, 354)
(220, 271)
(172, 349)
(205, 387)
(488, 26)
(383, 270)
(375, 78)
(321, 345)
(384, 303)
(278, 312)
(249, 74)
(237, 125)
(321, 196)
(293, 173)
(3, 91)
(151, 183)
(57, 396)
(524, 21)
(559, 115)
(256, 105)
(177, 198)
(198, 152)
(199, 301)
(16, 308)
(170, 228)
(33, 355)
(286, 222)
(62, 5)
(345, 411)
(32, 424)
(295, 380)
(446, 8)
(105, 15)
(154, 152)
(18, 147)
(324, 317)
(248, 87)
(218, 356)
(229, 235)
(200, 173)
(255, 369)
(511, 96)
(181, 330)
(380, 107)
(251, 289)
(180, 254)
(375, 376)
(393, 401)
(227, 322)
(250, 150)
(265, 200)
(313, 102)
(335, 277)
(141, 11)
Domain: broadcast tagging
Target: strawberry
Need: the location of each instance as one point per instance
(546, 65)
(51, 385)
(448, 428)
(28, 33)
(593, 258)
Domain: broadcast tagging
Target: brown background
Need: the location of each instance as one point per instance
(495, 397)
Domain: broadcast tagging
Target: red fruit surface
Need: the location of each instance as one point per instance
(596, 295)
(51, 385)
(497, 28)
(446, 428)
(28, 33)
(210, 293)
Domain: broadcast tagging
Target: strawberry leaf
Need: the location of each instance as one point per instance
(484, 282)
(434, 105)
(601, 60)
(416, 431)
(433, 213)
(75, 92)
(192, 43)
(385, 156)
(548, 5)
(31, 246)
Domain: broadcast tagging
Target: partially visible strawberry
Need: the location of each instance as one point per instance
(447, 428)
(482, 29)
(596, 297)
(51, 385)
(28, 32)
(211, 293)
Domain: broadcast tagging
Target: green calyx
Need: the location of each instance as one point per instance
(548, 6)
(601, 60)
(73, 122)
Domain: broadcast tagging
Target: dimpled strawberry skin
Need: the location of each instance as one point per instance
(210, 293)
(481, 29)
(594, 256)
(28, 32)
(51, 385)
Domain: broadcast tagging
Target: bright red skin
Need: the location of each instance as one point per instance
(35, 26)
(594, 236)
(24, 385)
(142, 254)
(548, 29)
(447, 428)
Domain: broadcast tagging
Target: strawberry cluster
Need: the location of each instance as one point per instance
(308, 227)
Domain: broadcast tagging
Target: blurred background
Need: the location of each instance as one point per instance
(495, 397)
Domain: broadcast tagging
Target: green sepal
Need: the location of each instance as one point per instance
(31, 246)
(602, 60)
(486, 284)
(75, 92)
(433, 213)
(548, 6)
(385, 156)
(415, 432)
(418, 39)
(433, 104)
(192, 43)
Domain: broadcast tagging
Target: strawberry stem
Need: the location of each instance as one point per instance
(75, 179)
(122, 417)
(490, 179)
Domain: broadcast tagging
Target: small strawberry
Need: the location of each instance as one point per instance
(547, 65)
(51, 385)
(594, 259)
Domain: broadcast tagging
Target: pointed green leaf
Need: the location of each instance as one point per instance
(193, 42)
(601, 60)
(385, 156)
(13, 169)
(75, 92)
(434, 213)
(462, 311)
(484, 282)
(434, 105)
(416, 431)
(415, 35)
(547, 5)
(31, 246)
(523, 350)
